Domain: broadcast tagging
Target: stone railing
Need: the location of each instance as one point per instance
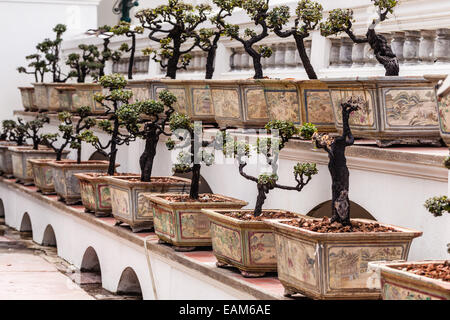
(140, 65)
(284, 55)
(411, 47)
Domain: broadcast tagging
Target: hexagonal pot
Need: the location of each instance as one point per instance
(246, 245)
(95, 193)
(334, 265)
(399, 110)
(182, 224)
(127, 199)
(43, 173)
(6, 167)
(21, 167)
(397, 284)
(67, 186)
(27, 94)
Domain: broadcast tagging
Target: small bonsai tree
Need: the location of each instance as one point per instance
(189, 161)
(70, 131)
(16, 131)
(341, 20)
(172, 25)
(258, 11)
(125, 28)
(38, 66)
(307, 17)
(147, 120)
(335, 147)
(51, 50)
(270, 148)
(33, 127)
(209, 38)
(114, 102)
(6, 129)
(85, 63)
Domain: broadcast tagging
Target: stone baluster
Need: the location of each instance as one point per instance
(369, 57)
(442, 46)
(279, 56)
(250, 62)
(195, 63)
(411, 47)
(244, 60)
(345, 52)
(297, 59)
(426, 46)
(289, 55)
(308, 44)
(358, 55)
(237, 59)
(334, 52)
(397, 45)
(271, 59)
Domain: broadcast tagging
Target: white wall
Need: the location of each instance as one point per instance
(23, 24)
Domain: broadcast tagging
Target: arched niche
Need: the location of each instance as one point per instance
(324, 209)
(49, 238)
(129, 283)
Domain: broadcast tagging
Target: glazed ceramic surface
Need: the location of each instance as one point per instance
(183, 223)
(128, 202)
(27, 95)
(84, 96)
(201, 103)
(444, 116)
(43, 174)
(6, 166)
(334, 265)
(283, 101)
(40, 95)
(246, 245)
(398, 109)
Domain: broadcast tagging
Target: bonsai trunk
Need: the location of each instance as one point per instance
(172, 63)
(133, 50)
(305, 60)
(195, 181)
(113, 153)
(383, 52)
(260, 199)
(211, 57)
(256, 62)
(147, 157)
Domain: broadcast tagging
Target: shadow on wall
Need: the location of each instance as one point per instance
(49, 238)
(90, 262)
(2, 209)
(204, 186)
(324, 209)
(25, 225)
(129, 283)
(98, 155)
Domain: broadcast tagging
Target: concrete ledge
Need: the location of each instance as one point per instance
(192, 263)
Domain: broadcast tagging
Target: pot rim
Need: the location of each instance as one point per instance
(431, 79)
(87, 176)
(122, 181)
(156, 197)
(403, 233)
(68, 163)
(29, 149)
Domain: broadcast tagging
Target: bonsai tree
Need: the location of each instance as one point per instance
(32, 129)
(125, 28)
(209, 38)
(189, 161)
(85, 63)
(38, 66)
(6, 128)
(335, 147)
(147, 120)
(70, 131)
(341, 20)
(51, 50)
(258, 11)
(307, 17)
(172, 25)
(270, 148)
(113, 102)
(16, 131)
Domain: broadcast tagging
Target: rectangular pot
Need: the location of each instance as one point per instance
(27, 94)
(403, 285)
(67, 186)
(21, 167)
(6, 167)
(246, 245)
(444, 115)
(43, 174)
(141, 90)
(200, 101)
(183, 224)
(334, 265)
(399, 110)
(128, 203)
(53, 97)
(84, 96)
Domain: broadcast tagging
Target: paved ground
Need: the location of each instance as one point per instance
(29, 271)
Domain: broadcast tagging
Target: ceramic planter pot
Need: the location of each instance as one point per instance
(200, 102)
(84, 96)
(95, 193)
(246, 245)
(182, 224)
(444, 115)
(67, 186)
(21, 167)
(127, 199)
(6, 167)
(27, 94)
(239, 103)
(334, 265)
(53, 97)
(404, 285)
(43, 174)
(399, 110)
(140, 89)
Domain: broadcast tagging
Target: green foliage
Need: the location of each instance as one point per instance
(89, 137)
(438, 205)
(167, 97)
(113, 81)
(339, 20)
(447, 162)
(269, 179)
(180, 121)
(307, 130)
(286, 130)
(265, 51)
(306, 169)
(85, 63)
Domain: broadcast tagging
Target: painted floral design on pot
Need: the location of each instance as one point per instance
(226, 102)
(256, 103)
(226, 242)
(363, 117)
(283, 104)
(201, 101)
(318, 107)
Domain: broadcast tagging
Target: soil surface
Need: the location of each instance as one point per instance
(205, 197)
(248, 215)
(324, 226)
(155, 180)
(440, 271)
(102, 174)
